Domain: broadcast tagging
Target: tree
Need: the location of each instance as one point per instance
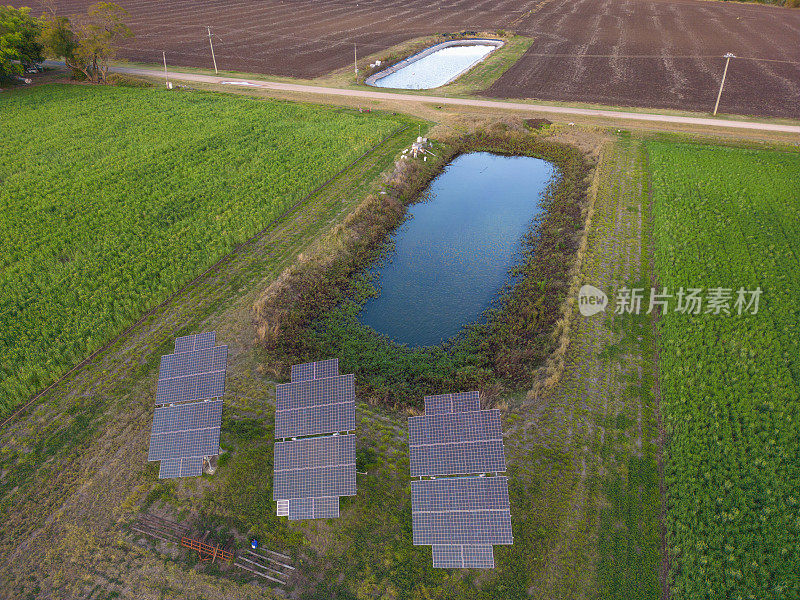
(87, 42)
(19, 45)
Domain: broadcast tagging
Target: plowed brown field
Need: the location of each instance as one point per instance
(646, 53)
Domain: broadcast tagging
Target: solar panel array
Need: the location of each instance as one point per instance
(192, 375)
(186, 431)
(461, 518)
(311, 473)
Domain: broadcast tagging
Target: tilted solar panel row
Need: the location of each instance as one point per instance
(182, 444)
(314, 420)
(315, 392)
(453, 428)
(467, 458)
(197, 415)
(460, 493)
(315, 452)
(337, 480)
(464, 528)
(191, 363)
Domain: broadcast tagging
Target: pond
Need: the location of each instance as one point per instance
(435, 66)
(452, 256)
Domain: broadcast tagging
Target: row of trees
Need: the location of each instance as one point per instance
(85, 42)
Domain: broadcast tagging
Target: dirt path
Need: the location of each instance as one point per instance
(597, 431)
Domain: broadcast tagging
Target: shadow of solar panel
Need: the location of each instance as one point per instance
(169, 469)
(326, 508)
(301, 508)
(478, 557)
(315, 370)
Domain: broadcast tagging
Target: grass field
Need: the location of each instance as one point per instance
(113, 198)
(730, 218)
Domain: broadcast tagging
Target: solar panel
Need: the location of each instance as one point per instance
(186, 430)
(191, 466)
(447, 403)
(198, 415)
(456, 443)
(315, 467)
(313, 392)
(465, 528)
(193, 375)
(315, 370)
(198, 341)
(478, 557)
(326, 508)
(459, 557)
(315, 406)
(461, 518)
(313, 472)
(301, 508)
(169, 469)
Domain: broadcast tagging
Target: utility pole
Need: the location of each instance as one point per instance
(728, 58)
(355, 59)
(166, 77)
(210, 43)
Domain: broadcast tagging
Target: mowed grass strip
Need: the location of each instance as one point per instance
(113, 198)
(730, 218)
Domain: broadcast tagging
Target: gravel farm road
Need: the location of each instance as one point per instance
(498, 104)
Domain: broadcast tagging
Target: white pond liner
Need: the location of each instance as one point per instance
(434, 66)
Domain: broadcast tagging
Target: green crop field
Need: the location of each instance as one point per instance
(730, 218)
(113, 198)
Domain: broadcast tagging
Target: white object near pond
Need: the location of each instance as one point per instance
(434, 66)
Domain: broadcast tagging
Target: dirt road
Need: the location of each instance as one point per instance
(617, 117)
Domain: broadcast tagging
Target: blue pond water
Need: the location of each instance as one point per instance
(453, 254)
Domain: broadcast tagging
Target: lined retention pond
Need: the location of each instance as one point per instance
(453, 254)
(435, 66)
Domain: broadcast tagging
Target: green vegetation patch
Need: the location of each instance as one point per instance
(113, 198)
(730, 218)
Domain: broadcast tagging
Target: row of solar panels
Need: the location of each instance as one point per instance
(460, 517)
(312, 473)
(463, 517)
(188, 414)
